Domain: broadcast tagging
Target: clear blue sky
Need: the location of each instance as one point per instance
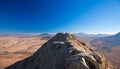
(90, 16)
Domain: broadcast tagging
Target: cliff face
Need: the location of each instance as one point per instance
(63, 51)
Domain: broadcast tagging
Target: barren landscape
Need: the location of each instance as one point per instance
(16, 48)
(112, 55)
(59, 34)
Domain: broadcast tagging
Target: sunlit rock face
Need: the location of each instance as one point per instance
(63, 51)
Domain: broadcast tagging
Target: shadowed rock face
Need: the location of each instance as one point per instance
(63, 51)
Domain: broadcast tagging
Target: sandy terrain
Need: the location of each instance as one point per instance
(15, 48)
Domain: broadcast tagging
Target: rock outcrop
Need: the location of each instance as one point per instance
(63, 51)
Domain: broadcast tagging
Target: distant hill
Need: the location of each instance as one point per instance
(113, 40)
(45, 36)
(90, 35)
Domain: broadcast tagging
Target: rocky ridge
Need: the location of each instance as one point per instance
(63, 51)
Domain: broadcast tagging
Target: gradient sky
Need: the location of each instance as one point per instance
(90, 16)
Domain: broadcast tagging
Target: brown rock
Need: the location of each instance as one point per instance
(63, 51)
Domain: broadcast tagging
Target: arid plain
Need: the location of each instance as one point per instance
(14, 48)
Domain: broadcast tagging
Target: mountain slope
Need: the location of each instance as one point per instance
(107, 41)
(63, 51)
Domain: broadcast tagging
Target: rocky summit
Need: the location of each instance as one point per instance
(63, 51)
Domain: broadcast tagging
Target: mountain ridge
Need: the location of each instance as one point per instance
(113, 40)
(63, 51)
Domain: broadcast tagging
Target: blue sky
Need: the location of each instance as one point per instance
(90, 16)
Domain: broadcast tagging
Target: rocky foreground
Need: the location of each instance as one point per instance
(63, 51)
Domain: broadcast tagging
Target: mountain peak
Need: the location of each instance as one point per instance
(62, 37)
(63, 51)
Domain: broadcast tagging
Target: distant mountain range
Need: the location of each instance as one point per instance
(82, 34)
(90, 35)
(46, 36)
(113, 40)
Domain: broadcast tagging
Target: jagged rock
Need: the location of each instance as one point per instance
(63, 51)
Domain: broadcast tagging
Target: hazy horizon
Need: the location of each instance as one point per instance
(51, 16)
(37, 33)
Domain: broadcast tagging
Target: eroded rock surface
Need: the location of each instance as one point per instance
(63, 51)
